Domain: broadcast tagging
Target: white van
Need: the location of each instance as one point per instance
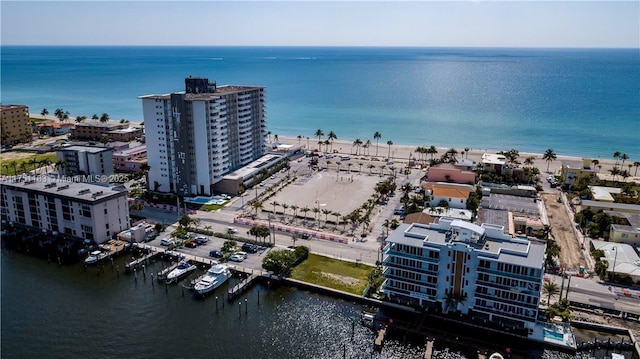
(345, 158)
(167, 241)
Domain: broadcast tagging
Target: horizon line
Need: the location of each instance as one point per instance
(332, 46)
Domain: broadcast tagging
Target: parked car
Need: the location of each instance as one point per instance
(215, 253)
(167, 241)
(236, 258)
(305, 236)
(201, 240)
(191, 244)
(251, 248)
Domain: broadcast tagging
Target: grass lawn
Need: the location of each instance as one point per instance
(7, 168)
(328, 272)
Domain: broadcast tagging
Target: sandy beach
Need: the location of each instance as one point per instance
(400, 153)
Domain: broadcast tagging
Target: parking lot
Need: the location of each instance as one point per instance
(253, 261)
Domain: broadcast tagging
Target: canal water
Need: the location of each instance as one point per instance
(66, 312)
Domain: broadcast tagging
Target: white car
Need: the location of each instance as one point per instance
(243, 254)
(236, 258)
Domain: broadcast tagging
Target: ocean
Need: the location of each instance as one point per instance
(579, 102)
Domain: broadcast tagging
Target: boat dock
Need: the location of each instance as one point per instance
(377, 344)
(428, 352)
(245, 283)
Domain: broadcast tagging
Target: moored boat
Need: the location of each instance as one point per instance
(95, 257)
(215, 277)
(182, 270)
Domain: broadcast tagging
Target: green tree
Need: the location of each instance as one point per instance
(104, 118)
(185, 221)
(549, 156)
(330, 137)
(229, 246)
(279, 262)
(550, 289)
(389, 143)
(377, 136)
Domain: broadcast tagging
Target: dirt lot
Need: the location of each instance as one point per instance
(562, 231)
(327, 190)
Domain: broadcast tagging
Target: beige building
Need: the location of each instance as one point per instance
(573, 171)
(94, 130)
(16, 125)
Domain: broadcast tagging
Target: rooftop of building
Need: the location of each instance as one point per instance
(125, 130)
(131, 150)
(604, 193)
(456, 213)
(108, 124)
(90, 149)
(623, 256)
(490, 240)
(54, 124)
(507, 202)
(254, 167)
(453, 190)
(65, 186)
(493, 158)
(13, 107)
(220, 91)
(583, 165)
(611, 206)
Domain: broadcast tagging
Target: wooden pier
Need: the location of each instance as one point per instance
(245, 283)
(377, 344)
(162, 275)
(429, 350)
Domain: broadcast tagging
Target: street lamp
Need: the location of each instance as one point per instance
(615, 258)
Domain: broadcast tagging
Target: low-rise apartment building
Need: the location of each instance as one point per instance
(457, 266)
(82, 210)
(456, 195)
(130, 159)
(86, 160)
(448, 172)
(94, 130)
(15, 125)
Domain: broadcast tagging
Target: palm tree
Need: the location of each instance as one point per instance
(529, 161)
(330, 137)
(360, 164)
(349, 165)
(257, 205)
(59, 166)
(59, 113)
(382, 167)
(104, 118)
(44, 112)
(95, 117)
(284, 209)
(315, 211)
(623, 157)
(145, 168)
(636, 165)
(614, 172)
(466, 152)
(319, 134)
(337, 215)
(80, 119)
(389, 143)
(371, 167)
(299, 137)
(549, 156)
(550, 289)
(377, 136)
(326, 213)
(269, 136)
(616, 156)
(432, 151)
(274, 204)
(367, 145)
(357, 143)
(305, 210)
(595, 163)
(294, 208)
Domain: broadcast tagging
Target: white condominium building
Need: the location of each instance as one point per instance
(457, 266)
(82, 210)
(195, 137)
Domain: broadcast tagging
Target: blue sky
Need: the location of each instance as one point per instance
(323, 23)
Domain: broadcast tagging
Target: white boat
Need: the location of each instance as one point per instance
(183, 268)
(214, 277)
(95, 257)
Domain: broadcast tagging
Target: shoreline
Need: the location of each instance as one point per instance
(401, 152)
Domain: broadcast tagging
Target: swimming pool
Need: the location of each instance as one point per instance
(552, 334)
(218, 200)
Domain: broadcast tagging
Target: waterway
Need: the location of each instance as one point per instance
(63, 311)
